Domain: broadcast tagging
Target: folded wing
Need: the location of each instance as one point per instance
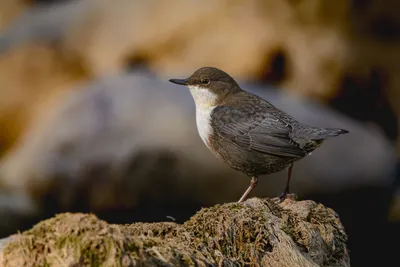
(259, 131)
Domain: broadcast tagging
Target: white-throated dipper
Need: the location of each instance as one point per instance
(247, 132)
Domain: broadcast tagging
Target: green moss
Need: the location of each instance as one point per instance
(287, 230)
(224, 235)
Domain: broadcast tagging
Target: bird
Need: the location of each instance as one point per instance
(247, 132)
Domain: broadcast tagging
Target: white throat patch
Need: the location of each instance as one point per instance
(205, 101)
(203, 96)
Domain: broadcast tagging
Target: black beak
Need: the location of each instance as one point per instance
(180, 81)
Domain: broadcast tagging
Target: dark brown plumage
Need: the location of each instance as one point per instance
(247, 132)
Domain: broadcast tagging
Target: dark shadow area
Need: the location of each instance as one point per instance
(364, 99)
(275, 67)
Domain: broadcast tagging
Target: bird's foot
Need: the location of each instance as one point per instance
(285, 196)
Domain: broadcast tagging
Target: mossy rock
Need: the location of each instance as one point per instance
(254, 233)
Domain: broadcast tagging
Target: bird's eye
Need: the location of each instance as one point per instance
(205, 81)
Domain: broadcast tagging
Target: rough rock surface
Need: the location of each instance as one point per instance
(254, 233)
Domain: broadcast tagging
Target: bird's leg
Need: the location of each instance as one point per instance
(286, 192)
(253, 183)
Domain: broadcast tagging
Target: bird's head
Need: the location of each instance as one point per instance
(209, 86)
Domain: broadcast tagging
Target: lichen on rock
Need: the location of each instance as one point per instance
(255, 233)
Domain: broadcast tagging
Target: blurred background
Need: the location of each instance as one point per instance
(90, 123)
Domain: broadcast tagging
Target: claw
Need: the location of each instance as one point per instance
(283, 196)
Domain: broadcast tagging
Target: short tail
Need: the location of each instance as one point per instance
(323, 133)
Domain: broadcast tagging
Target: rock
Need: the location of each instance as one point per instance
(72, 137)
(3, 242)
(257, 232)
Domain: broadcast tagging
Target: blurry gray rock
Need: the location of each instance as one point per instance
(134, 135)
(44, 23)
